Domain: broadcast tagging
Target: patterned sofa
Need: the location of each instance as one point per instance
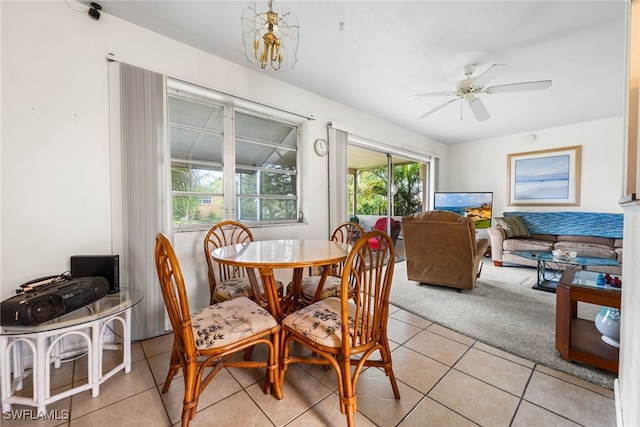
(587, 233)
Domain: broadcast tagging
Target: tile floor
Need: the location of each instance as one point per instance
(445, 379)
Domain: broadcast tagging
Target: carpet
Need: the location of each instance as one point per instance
(502, 311)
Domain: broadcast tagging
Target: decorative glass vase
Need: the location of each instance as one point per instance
(608, 324)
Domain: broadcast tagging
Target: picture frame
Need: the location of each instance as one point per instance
(544, 178)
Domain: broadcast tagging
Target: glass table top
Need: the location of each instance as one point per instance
(283, 253)
(579, 260)
(590, 279)
(106, 306)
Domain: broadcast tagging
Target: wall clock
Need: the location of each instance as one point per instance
(321, 147)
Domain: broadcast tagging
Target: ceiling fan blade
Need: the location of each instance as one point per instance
(492, 72)
(432, 94)
(479, 110)
(439, 107)
(519, 87)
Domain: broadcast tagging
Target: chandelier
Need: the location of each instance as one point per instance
(270, 38)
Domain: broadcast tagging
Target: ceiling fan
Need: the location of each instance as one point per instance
(469, 87)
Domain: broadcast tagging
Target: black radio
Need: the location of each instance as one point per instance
(48, 301)
(107, 266)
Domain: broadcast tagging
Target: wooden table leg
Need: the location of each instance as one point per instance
(271, 291)
(323, 278)
(565, 311)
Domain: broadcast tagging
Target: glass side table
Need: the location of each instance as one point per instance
(549, 275)
(578, 339)
(88, 324)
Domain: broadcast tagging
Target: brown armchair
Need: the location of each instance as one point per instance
(441, 249)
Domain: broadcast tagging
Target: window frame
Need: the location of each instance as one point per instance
(231, 198)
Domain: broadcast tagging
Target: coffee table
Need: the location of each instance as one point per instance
(548, 276)
(578, 339)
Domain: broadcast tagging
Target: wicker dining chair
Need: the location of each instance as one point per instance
(227, 281)
(206, 340)
(343, 332)
(347, 232)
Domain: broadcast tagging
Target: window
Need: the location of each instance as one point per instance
(229, 163)
(266, 171)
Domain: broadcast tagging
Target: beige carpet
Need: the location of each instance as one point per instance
(502, 311)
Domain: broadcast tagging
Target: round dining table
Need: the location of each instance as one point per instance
(267, 255)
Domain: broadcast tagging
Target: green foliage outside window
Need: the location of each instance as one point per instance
(189, 209)
(371, 198)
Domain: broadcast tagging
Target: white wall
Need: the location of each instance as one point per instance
(482, 165)
(55, 166)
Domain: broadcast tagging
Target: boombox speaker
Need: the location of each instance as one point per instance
(47, 302)
(107, 266)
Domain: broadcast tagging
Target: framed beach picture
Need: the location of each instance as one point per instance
(544, 178)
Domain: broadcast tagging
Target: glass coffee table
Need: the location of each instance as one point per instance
(548, 276)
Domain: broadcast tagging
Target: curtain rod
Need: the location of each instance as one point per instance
(362, 141)
(112, 58)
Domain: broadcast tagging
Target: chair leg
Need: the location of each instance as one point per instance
(284, 358)
(190, 401)
(388, 367)
(347, 393)
(174, 367)
(247, 352)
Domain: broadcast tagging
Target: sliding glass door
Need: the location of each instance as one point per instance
(380, 183)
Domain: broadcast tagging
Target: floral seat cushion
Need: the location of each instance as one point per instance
(331, 287)
(238, 287)
(321, 321)
(229, 321)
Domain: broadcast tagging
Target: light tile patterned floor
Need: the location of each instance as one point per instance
(445, 379)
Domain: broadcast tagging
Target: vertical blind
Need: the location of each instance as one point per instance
(338, 141)
(144, 209)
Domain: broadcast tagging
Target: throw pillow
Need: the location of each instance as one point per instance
(513, 226)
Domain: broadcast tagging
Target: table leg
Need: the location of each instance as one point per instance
(293, 300)
(39, 373)
(564, 315)
(257, 292)
(271, 291)
(94, 359)
(18, 365)
(296, 284)
(5, 375)
(323, 278)
(126, 344)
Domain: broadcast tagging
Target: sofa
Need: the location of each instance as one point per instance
(588, 234)
(441, 249)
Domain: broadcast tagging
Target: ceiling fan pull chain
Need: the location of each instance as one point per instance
(460, 108)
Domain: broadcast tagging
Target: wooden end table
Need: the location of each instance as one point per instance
(578, 339)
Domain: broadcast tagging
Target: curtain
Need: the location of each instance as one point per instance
(338, 193)
(140, 208)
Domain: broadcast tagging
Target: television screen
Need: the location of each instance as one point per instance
(475, 205)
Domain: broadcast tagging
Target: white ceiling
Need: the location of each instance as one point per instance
(389, 50)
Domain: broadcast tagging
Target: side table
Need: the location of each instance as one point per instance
(549, 266)
(89, 324)
(578, 339)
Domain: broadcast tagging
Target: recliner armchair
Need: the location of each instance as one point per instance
(441, 249)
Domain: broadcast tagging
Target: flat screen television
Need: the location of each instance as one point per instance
(475, 205)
